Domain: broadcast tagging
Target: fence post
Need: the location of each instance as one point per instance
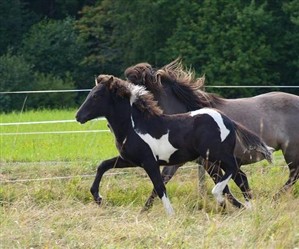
(201, 179)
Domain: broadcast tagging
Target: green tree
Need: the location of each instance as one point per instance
(14, 22)
(56, 9)
(53, 47)
(51, 100)
(284, 40)
(122, 33)
(16, 75)
(226, 40)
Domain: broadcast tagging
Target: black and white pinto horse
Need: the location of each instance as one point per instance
(273, 116)
(148, 138)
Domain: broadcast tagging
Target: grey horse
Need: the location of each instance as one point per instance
(273, 116)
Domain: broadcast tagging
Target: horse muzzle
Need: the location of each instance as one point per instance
(80, 119)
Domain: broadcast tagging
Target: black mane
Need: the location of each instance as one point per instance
(142, 99)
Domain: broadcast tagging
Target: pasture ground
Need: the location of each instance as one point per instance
(45, 200)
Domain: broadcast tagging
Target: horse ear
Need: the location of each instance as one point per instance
(104, 79)
(111, 79)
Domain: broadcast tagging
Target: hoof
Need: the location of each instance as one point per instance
(234, 201)
(145, 209)
(98, 200)
(148, 205)
(248, 205)
(222, 205)
(276, 197)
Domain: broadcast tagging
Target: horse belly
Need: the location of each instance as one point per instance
(180, 157)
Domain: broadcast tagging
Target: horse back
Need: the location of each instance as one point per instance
(273, 116)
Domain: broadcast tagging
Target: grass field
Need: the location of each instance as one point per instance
(45, 200)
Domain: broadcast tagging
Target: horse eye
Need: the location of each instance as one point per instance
(94, 96)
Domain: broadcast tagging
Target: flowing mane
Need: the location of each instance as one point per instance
(183, 83)
(143, 74)
(138, 95)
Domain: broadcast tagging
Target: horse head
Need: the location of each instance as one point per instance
(143, 74)
(97, 100)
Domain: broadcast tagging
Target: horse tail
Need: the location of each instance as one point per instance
(251, 141)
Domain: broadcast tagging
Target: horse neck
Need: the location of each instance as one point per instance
(169, 102)
(120, 123)
(146, 122)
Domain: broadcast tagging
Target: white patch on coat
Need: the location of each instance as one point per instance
(167, 205)
(217, 118)
(217, 191)
(161, 147)
(136, 91)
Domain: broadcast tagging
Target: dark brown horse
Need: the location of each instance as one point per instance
(274, 116)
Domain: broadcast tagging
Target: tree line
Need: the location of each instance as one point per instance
(55, 44)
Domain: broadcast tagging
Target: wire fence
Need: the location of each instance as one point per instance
(88, 90)
(77, 131)
(47, 132)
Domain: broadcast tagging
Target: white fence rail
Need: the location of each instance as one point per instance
(48, 132)
(69, 121)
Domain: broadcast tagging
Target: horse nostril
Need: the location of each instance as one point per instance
(79, 119)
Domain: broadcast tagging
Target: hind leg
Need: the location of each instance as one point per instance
(242, 182)
(216, 174)
(231, 168)
(292, 158)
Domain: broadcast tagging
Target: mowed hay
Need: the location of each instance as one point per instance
(61, 214)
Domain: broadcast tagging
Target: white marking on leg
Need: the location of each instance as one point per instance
(217, 118)
(217, 191)
(248, 205)
(167, 205)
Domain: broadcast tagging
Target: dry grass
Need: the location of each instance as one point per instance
(61, 214)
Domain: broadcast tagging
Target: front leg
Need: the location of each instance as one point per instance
(152, 169)
(167, 174)
(115, 162)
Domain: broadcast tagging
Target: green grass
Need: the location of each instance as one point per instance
(53, 147)
(48, 211)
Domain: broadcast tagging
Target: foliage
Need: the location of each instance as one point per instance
(16, 75)
(58, 9)
(14, 22)
(224, 40)
(231, 42)
(53, 100)
(117, 35)
(53, 47)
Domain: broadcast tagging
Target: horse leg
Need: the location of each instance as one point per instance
(216, 174)
(242, 182)
(292, 159)
(153, 171)
(239, 177)
(217, 191)
(167, 174)
(116, 162)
